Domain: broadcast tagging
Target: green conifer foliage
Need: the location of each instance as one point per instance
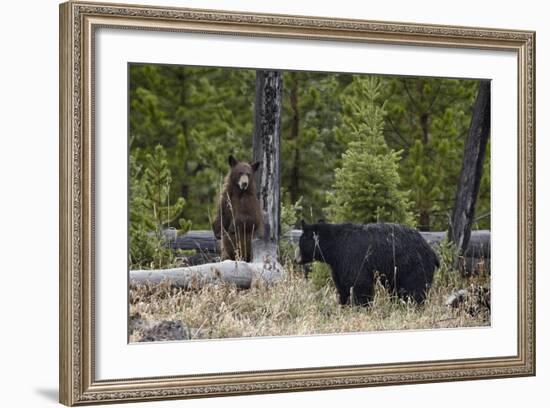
(428, 119)
(151, 210)
(367, 184)
(199, 115)
(142, 242)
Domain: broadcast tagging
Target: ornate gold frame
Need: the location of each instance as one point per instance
(77, 24)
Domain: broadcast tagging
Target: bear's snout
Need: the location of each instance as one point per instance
(243, 182)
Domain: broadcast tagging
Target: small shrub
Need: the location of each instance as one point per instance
(289, 218)
(446, 275)
(151, 210)
(320, 275)
(289, 215)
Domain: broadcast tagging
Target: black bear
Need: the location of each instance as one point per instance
(239, 215)
(356, 254)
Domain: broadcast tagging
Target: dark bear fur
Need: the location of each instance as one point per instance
(239, 214)
(399, 255)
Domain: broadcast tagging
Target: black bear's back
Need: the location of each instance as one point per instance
(413, 261)
(398, 254)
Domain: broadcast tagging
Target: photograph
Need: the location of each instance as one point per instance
(290, 203)
(263, 203)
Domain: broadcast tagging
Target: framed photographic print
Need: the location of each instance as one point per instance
(263, 203)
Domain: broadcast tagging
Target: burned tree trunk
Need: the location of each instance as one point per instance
(294, 188)
(472, 169)
(266, 146)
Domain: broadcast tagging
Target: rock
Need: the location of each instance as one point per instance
(166, 330)
(163, 330)
(456, 298)
(476, 299)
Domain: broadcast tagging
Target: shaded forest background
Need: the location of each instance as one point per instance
(357, 148)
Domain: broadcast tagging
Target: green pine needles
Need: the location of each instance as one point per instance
(367, 187)
(151, 211)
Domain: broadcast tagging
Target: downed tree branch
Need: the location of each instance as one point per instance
(263, 267)
(479, 245)
(240, 273)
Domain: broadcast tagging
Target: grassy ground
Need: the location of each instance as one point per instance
(295, 306)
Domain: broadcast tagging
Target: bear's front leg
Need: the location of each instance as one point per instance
(228, 245)
(363, 294)
(247, 224)
(343, 297)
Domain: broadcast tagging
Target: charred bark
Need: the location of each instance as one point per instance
(472, 169)
(266, 147)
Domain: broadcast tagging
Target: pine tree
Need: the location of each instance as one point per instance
(151, 210)
(141, 243)
(367, 185)
(158, 182)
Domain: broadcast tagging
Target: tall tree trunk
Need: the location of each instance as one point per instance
(266, 146)
(294, 133)
(472, 169)
(182, 79)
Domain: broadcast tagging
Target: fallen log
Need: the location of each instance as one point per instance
(264, 267)
(478, 247)
(203, 241)
(242, 274)
(477, 257)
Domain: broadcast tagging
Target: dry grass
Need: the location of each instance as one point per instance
(293, 306)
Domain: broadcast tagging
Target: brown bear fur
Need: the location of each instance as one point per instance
(239, 215)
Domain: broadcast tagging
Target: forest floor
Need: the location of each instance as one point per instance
(297, 306)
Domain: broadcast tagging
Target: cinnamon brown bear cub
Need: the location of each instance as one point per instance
(356, 253)
(239, 215)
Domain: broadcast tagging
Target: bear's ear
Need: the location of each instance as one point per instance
(232, 161)
(255, 166)
(303, 224)
(321, 221)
